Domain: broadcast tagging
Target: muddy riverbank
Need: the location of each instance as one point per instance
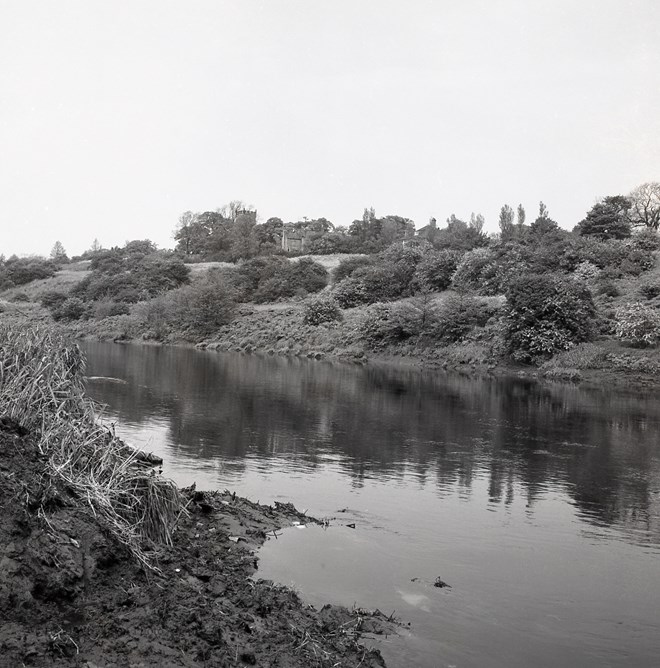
(72, 595)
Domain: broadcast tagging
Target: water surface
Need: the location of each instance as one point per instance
(538, 504)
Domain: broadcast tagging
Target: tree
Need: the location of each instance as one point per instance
(645, 205)
(477, 222)
(506, 221)
(607, 219)
(58, 253)
(244, 238)
(543, 224)
(521, 215)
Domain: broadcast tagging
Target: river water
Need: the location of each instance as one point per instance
(538, 504)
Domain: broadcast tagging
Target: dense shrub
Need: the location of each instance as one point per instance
(267, 279)
(350, 292)
(346, 267)
(52, 299)
(131, 275)
(193, 311)
(649, 290)
(307, 275)
(19, 271)
(71, 308)
(436, 268)
(617, 257)
(586, 271)
(608, 288)
(320, 310)
(109, 308)
(647, 239)
(457, 316)
(389, 323)
(638, 324)
(546, 314)
(205, 306)
(479, 271)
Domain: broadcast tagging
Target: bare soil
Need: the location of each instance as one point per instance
(70, 595)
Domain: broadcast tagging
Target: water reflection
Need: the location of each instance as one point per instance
(600, 447)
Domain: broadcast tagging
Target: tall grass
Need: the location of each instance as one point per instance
(42, 388)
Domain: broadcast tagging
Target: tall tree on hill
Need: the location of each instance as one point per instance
(506, 222)
(645, 209)
(608, 219)
(58, 253)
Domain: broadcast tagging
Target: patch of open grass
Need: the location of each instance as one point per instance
(63, 281)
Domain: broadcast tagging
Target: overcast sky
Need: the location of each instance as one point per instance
(117, 116)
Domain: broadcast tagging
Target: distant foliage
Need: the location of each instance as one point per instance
(134, 273)
(20, 271)
(346, 267)
(638, 325)
(546, 314)
(320, 310)
(268, 279)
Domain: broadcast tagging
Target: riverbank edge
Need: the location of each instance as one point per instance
(586, 378)
(71, 595)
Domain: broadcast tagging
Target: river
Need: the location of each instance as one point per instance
(539, 504)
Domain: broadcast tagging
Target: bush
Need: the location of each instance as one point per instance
(108, 308)
(647, 239)
(53, 298)
(194, 311)
(321, 310)
(436, 268)
(638, 324)
(307, 275)
(608, 288)
(346, 267)
(350, 292)
(70, 309)
(19, 271)
(649, 290)
(586, 271)
(457, 316)
(20, 297)
(546, 314)
(487, 271)
(205, 306)
(267, 279)
(386, 324)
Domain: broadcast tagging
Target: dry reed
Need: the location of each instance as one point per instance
(42, 388)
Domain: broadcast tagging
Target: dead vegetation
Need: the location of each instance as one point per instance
(41, 388)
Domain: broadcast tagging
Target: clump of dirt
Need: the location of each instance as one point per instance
(71, 595)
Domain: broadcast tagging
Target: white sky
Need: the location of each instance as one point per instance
(117, 116)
